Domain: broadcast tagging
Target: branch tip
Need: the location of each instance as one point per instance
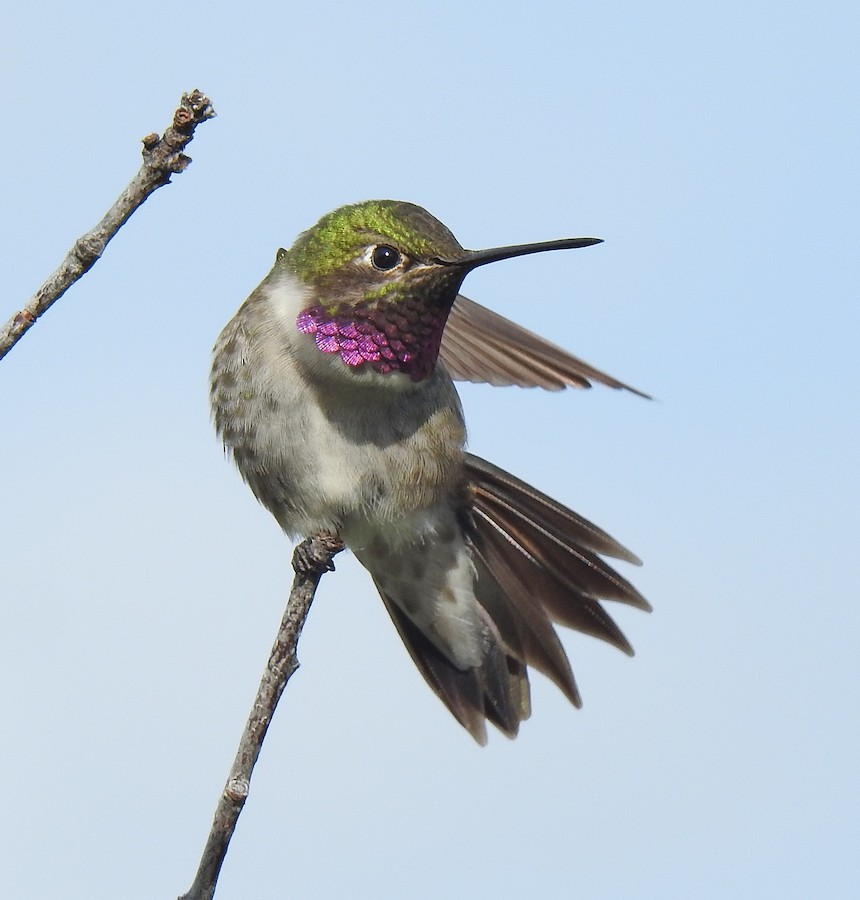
(162, 157)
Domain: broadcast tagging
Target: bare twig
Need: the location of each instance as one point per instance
(162, 157)
(312, 558)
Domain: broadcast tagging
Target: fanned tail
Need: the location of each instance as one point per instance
(536, 564)
(540, 564)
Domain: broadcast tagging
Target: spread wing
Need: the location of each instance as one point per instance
(482, 346)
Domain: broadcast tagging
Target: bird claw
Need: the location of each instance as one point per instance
(314, 555)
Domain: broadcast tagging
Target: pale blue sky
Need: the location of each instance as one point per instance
(715, 151)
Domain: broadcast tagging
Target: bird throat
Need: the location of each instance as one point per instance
(403, 336)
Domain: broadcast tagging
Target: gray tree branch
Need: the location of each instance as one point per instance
(162, 157)
(311, 559)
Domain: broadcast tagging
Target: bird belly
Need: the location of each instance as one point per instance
(323, 459)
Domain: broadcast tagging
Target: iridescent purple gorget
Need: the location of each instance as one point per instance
(398, 338)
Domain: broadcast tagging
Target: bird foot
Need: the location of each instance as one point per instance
(315, 554)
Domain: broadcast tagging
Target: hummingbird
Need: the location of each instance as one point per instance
(332, 389)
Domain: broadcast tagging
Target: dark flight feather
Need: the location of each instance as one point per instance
(481, 346)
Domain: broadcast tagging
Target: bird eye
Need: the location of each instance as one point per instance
(384, 257)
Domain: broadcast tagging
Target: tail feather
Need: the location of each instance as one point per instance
(581, 569)
(558, 519)
(502, 592)
(498, 691)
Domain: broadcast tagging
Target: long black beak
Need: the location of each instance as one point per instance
(471, 259)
